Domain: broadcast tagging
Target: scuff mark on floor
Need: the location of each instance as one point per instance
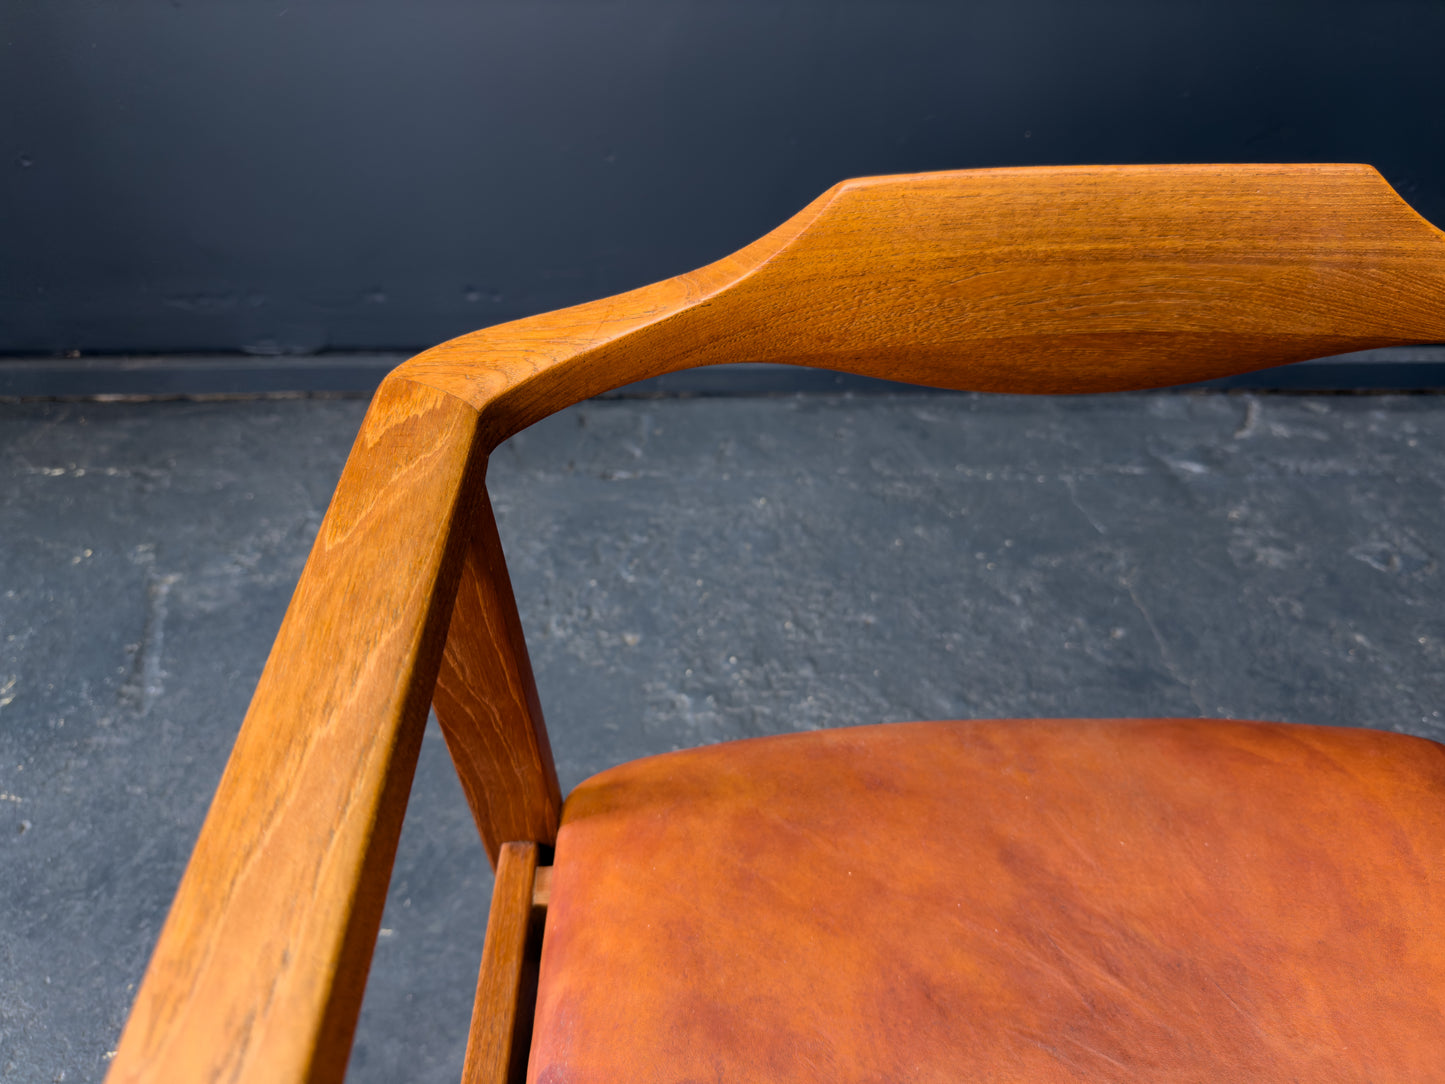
(1074, 497)
(1250, 424)
(147, 680)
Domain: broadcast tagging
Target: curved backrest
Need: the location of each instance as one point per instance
(1030, 280)
(1062, 279)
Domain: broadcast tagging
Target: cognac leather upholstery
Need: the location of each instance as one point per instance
(1138, 900)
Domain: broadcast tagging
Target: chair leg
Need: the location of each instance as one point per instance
(501, 1028)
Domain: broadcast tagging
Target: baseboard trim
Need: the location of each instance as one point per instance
(232, 376)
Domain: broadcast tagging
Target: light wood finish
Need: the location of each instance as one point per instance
(260, 967)
(1039, 280)
(490, 1058)
(486, 702)
(542, 887)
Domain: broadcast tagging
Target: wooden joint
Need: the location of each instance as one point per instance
(542, 887)
(501, 1029)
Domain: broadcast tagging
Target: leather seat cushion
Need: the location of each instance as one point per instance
(1041, 900)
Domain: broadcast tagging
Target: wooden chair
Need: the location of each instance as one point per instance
(1178, 900)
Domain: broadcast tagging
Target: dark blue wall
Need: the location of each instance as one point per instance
(300, 176)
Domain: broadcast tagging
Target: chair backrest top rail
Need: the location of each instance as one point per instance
(1036, 279)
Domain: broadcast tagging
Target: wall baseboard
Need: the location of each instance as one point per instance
(217, 376)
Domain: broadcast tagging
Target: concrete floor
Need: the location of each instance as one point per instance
(688, 570)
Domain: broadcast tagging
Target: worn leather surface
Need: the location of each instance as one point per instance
(1136, 900)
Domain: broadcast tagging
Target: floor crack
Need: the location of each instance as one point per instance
(1165, 655)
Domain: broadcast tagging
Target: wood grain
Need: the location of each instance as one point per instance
(486, 702)
(1068, 279)
(499, 983)
(260, 967)
(1037, 280)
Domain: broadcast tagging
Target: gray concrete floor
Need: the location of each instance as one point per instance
(688, 570)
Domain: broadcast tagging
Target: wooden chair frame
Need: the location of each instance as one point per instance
(1050, 280)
